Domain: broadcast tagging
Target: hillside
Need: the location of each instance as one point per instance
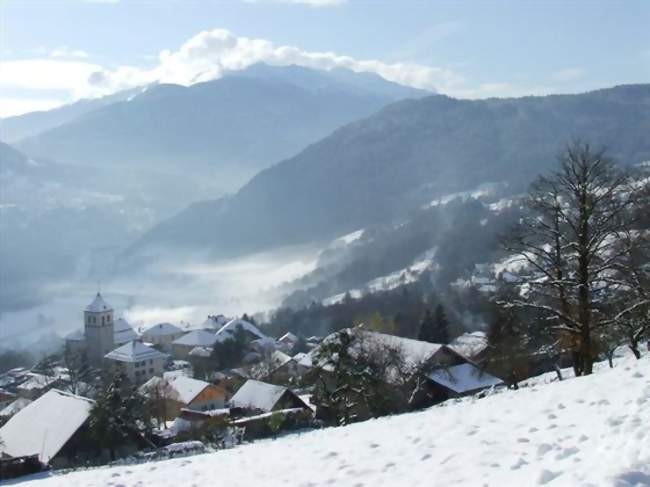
(225, 129)
(377, 169)
(579, 432)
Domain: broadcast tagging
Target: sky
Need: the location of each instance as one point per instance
(54, 52)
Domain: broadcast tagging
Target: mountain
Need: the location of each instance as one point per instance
(224, 129)
(13, 129)
(377, 169)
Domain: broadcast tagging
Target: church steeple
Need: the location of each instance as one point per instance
(98, 327)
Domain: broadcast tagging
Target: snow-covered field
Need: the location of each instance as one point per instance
(590, 431)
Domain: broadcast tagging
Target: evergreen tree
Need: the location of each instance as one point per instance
(117, 417)
(427, 327)
(440, 326)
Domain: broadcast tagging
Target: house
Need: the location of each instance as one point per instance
(470, 345)
(12, 408)
(256, 396)
(460, 380)
(37, 384)
(54, 427)
(182, 346)
(138, 361)
(445, 372)
(184, 393)
(228, 330)
(123, 332)
(279, 368)
(162, 335)
(287, 341)
(213, 323)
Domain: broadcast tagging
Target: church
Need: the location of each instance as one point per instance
(104, 340)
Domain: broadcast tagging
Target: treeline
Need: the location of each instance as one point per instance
(399, 311)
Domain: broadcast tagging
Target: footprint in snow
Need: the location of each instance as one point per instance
(583, 438)
(545, 476)
(520, 463)
(533, 430)
(426, 456)
(566, 453)
(523, 440)
(552, 416)
(543, 449)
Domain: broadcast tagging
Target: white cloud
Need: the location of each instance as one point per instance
(209, 55)
(568, 74)
(66, 52)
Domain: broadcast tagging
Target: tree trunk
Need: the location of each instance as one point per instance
(610, 359)
(635, 350)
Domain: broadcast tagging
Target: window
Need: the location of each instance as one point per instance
(151, 371)
(150, 361)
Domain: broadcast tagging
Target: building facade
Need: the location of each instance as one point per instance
(98, 330)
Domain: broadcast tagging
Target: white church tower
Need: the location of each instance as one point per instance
(98, 328)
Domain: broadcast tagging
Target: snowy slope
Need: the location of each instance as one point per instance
(591, 431)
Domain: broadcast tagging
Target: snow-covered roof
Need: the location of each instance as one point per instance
(37, 381)
(123, 332)
(469, 344)
(227, 330)
(14, 407)
(463, 378)
(213, 322)
(414, 352)
(134, 352)
(197, 338)
(76, 336)
(162, 329)
(201, 352)
(179, 388)
(187, 388)
(98, 305)
(288, 338)
(257, 395)
(278, 358)
(43, 427)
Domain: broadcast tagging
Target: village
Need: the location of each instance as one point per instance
(215, 385)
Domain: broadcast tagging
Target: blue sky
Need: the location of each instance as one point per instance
(54, 52)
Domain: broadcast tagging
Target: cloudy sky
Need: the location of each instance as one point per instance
(57, 51)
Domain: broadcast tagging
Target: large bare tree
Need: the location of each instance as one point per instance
(575, 241)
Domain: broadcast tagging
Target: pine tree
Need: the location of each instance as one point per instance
(427, 327)
(440, 326)
(117, 417)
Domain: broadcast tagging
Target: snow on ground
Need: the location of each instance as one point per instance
(590, 431)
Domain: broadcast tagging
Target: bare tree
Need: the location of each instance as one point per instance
(573, 242)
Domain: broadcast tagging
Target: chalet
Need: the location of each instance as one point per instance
(37, 384)
(287, 341)
(138, 361)
(53, 427)
(182, 346)
(184, 393)
(213, 323)
(162, 335)
(228, 331)
(459, 380)
(470, 345)
(445, 371)
(260, 397)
